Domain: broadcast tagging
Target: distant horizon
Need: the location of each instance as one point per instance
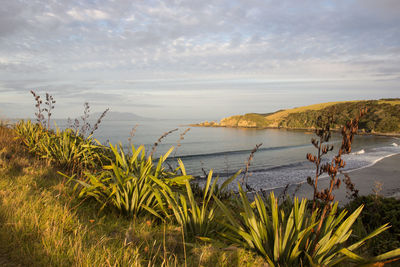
(94, 115)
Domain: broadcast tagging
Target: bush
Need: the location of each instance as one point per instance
(66, 149)
(198, 218)
(291, 239)
(377, 211)
(131, 183)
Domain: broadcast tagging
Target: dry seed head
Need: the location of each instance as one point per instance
(182, 136)
(160, 139)
(245, 174)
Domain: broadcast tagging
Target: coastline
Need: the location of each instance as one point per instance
(385, 173)
(293, 129)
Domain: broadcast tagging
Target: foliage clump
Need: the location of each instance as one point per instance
(382, 117)
(377, 211)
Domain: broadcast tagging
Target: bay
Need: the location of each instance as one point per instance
(281, 159)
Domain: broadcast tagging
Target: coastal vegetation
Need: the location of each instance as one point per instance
(377, 211)
(383, 117)
(67, 200)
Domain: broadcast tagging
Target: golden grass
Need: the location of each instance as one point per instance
(42, 223)
(284, 113)
(254, 120)
(391, 102)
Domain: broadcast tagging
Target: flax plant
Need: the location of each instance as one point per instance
(332, 168)
(284, 239)
(39, 113)
(70, 151)
(154, 148)
(131, 183)
(245, 177)
(198, 220)
(65, 149)
(31, 134)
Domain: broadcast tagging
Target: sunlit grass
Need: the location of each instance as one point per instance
(278, 116)
(42, 223)
(391, 102)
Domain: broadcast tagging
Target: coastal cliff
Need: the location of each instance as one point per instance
(383, 116)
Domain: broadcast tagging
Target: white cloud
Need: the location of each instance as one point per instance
(87, 14)
(130, 18)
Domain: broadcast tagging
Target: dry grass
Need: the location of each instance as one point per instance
(391, 102)
(272, 120)
(42, 223)
(278, 116)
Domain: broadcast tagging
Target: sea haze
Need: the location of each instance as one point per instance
(281, 159)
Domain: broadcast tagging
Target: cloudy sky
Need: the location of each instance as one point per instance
(196, 59)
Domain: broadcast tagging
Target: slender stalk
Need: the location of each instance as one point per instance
(184, 246)
(154, 148)
(317, 163)
(165, 249)
(248, 163)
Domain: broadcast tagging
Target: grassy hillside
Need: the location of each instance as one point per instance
(44, 223)
(383, 116)
(276, 118)
(247, 120)
(122, 209)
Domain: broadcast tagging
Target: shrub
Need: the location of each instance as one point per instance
(291, 239)
(31, 134)
(72, 152)
(377, 211)
(131, 183)
(65, 149)
(197, 219)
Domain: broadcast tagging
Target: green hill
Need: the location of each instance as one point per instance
(383, 116)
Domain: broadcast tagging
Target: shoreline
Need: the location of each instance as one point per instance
(293, 129)
(383, 176)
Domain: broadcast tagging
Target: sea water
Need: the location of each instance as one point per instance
(281, 159)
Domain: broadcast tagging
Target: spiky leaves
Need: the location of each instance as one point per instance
(291, 239)
(198, 219)
(262, 226)
(65, 149)
(131, 183)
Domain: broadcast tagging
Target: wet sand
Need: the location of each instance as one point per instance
(386, 172)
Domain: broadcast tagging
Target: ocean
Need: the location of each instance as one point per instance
(281, 159)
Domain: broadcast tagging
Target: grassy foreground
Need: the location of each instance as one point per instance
(67, 200)
(43, 223)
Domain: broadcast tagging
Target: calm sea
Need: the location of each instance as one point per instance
(281, 159)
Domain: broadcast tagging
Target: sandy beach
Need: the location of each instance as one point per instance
(386, 172)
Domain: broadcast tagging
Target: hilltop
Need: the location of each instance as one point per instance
(383, 116)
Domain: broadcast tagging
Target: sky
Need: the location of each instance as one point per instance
(196, 59)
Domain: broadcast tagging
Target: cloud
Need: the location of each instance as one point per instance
(87, 14)
(62, 45)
